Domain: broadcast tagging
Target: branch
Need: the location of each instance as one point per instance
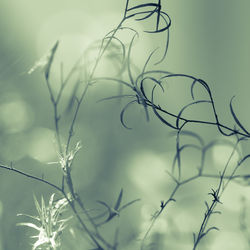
(32, 177)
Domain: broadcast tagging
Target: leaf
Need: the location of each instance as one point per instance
(207, 206)
(216, 212)
(118, 202)
(122, 114)
(112, 212)
(129, 61)
(168, 23)
(165, 50)
(115, 97)
(51, 200)
(235, 117)
(43, 208)
(192, 88)
(30, 216)
(128, 204)
(243, 159)
(27, 224)
(50, 59)
(45, 62)
(157, 114)
(142, 6)
(149, 14)
(151, 79)
(104, 204)
(147, 61)
(38, 207)
(194, 238)
(212, 228)
(185, 107)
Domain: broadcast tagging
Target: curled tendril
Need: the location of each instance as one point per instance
(148, 10)
(123, 112)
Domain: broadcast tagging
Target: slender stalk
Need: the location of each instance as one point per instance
(31, 176)
(197, 121)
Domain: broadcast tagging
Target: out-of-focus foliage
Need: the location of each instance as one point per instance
(215, 48)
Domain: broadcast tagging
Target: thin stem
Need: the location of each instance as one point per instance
(158, 15)
(56, 117)
(158, 213)
(204, 223)
(89, 81)
(31, 176)
(196, 121)
(126, 9)
(55, 102)
(180, 183)
(83, 225)
(64, 194)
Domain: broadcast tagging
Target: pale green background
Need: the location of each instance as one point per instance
(208, 39)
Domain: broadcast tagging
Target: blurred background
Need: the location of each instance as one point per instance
(208, 39)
